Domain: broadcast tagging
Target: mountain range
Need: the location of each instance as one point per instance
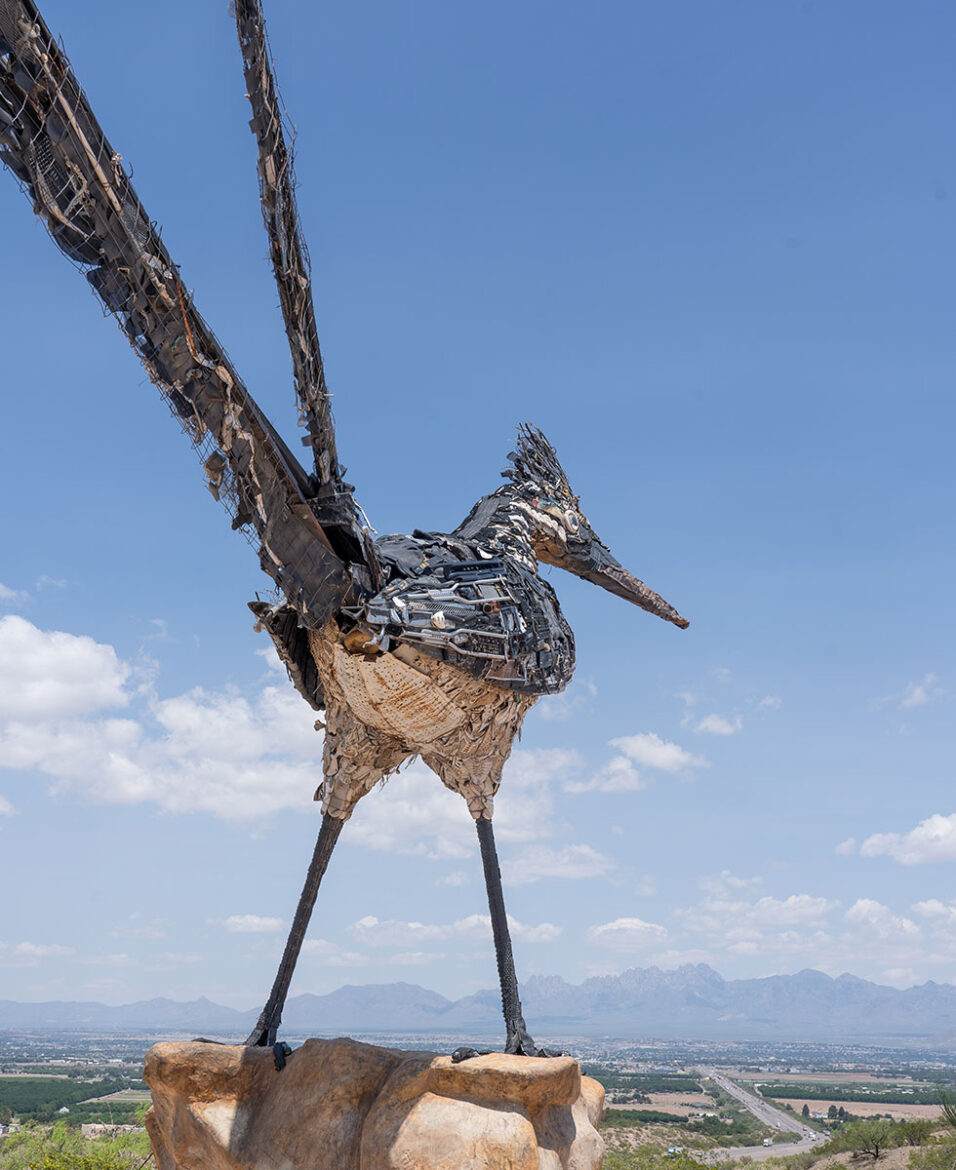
(692, 1002)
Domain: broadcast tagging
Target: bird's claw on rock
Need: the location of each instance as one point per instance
(466, 1053)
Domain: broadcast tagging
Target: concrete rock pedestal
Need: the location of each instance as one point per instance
(342, 1105)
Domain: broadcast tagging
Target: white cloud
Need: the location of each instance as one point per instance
(236, 757)
(724, 920)
(29, 954)
(901, 977)
(921, 693)
(878, 922)
(933, 839)
(148, 931)
(644, 749)
(413, 958)
(115, 960)
(330, 954)
(6, 808)
(650, 751)
(570, 861)
(252, 924)
(457, 877)
(373, 932)
(10, 596)
(769, 703)
(937, 911)
(619, 775)
(673, 957)
(567, 705)
(718, 725)
(723, 917)
(627, 934)
(48, 675)
(847, 847)
(415, 813)
(724, 881)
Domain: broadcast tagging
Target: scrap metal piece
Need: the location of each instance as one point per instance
(288, 254)
(51, 141)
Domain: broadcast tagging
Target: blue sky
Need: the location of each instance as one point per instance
(708, 249)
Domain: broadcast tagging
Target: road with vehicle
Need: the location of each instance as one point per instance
(768, 1115)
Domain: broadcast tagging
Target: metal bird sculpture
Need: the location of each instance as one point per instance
(433, 645)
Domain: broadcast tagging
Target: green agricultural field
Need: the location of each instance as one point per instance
(643, 1082)
(825, 1091)
(41, 1097)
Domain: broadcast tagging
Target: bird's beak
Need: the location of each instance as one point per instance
(594, 563)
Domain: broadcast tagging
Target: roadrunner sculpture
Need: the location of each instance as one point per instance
(433, 644)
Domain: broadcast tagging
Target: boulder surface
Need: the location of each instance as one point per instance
(344, 1105)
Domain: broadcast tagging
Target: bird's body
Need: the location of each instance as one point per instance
(432, 645)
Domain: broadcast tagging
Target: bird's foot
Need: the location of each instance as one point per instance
(518, 1042)
(264, 1036)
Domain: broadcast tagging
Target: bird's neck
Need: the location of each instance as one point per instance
(501, 524)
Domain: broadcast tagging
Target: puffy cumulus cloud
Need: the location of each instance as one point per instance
(415, 813)
(48, 674)
(619, 775)
(645, 750)
(219, 752)
(372, 932)
(714, 724)
(628, 935)
(30, 954)
(330, 954)
(6, 808)
(936, 911)
(539, 861)
(770, 703)
(874, 921)
(252, 924)
(933, 839)
(725, 919)
(719, 916)
(847, 848)
(457, 877)
(939, 920)
(920, 693)
(650, 751)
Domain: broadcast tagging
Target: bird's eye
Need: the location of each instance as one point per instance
(571, 521)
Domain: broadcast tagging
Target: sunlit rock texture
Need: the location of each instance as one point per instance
(350, 1106)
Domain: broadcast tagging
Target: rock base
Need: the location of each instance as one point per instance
(343, 1105)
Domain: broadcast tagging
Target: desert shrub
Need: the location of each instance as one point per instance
(62, 1148)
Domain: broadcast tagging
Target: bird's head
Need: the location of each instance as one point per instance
(561, 534)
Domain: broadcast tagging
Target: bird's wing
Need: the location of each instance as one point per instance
(293, 275)
(52, 142)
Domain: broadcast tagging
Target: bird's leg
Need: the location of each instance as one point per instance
(264, 1033)
(517, 1039)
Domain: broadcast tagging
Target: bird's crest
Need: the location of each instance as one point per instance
(536, 465)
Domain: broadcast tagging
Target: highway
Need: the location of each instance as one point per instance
(770, 1116)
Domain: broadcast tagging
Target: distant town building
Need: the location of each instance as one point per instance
(99, 1129)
